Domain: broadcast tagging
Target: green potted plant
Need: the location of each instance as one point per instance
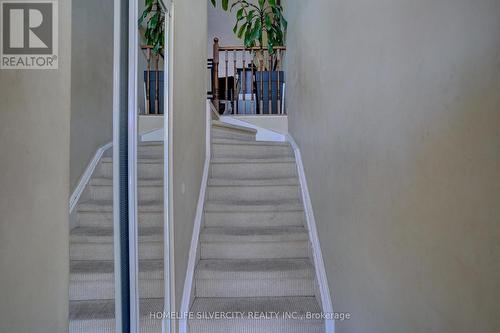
(154, 18)
(262, 25)
(152, 27)
(258, 25)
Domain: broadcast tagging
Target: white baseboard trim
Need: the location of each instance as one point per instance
(84, 180)
(263, 134)
(319, 265)
(193, 250)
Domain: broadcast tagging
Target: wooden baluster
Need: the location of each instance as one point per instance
(261, 65)
(251, 85)
(244, 83)
(235, 99)
(269, 83)
(216, 73)
(148, 80)
(157, 86)
(278, 58)
(226, 90)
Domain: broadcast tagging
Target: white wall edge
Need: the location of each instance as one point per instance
(319, 264)
(154, 135)
(263, 134)
(193, 250)
(87, 175)
(167, 134)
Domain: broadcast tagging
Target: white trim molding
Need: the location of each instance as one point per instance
(193, 250)
(154, 135)
(87, 175)
(166, 135)
(263, 134)
(319, 264)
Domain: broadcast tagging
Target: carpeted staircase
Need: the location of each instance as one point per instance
(254, 247)
(254, 250)
(92, 307)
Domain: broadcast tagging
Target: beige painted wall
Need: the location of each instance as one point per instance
(34, 183)
(396, 107)
(149, 123)
(220, 24)
(91, 82)
(190, 29)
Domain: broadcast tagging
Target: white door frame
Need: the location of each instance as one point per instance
(132, 115)
(117, 104)
(168, 325)
(133, 120)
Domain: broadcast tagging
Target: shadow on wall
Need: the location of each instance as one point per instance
(399, 112)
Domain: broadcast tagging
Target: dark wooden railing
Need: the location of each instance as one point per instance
(155, 60)
(256, 84)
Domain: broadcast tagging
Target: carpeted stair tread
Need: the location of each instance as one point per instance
(254, 233)
(108, 181)
(245, 305)
(253, 206)
(219, 125)
(107, 266)
(250, 143)
(107, 206)
(254, 182)
(250, 160)
(105, 309)
(108, 231)
(254, 268)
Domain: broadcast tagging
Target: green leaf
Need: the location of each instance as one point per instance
(256, 31)
(272, 3)
(239, 14)
(213, 3)
(261, 3)
(268, 22)
(242, 30)
(225, 4)
(251, 15)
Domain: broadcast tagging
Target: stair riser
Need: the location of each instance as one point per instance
(253, 193)
(231, 135)
(254, 250)
(108, 326)
(253, 170)
(150, 150)
(214, 206)
(100, 251)
(144, 171)
(145, 193)
(254, 288)
(250, 151)
(253, 219)
(104, 289)
(91, 219)
(254, 326)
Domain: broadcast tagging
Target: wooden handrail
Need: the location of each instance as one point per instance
(243, 48)
(263, 100)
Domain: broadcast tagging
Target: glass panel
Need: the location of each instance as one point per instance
(92, 241)
(152, 104)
